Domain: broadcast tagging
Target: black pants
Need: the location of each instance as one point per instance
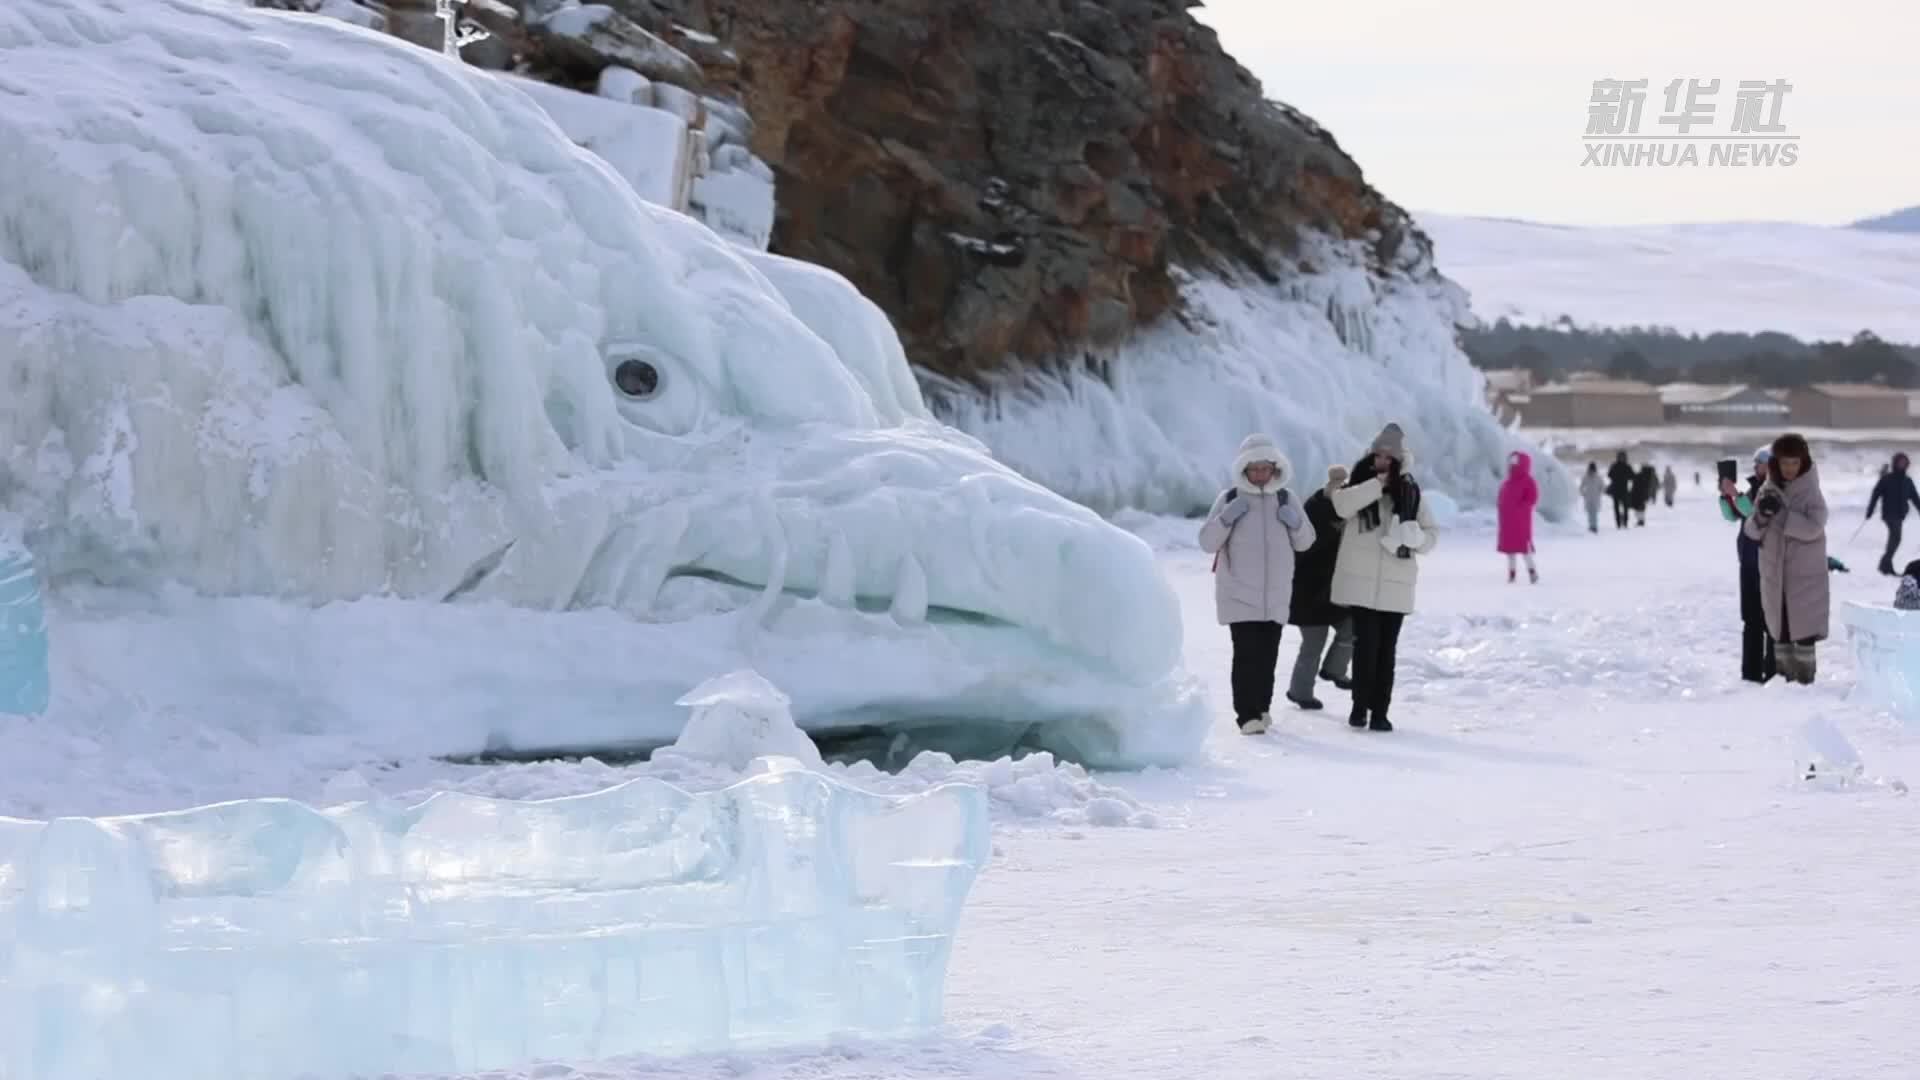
(1376, 641)
(1256, 649)
(1619, 513)
(1757, 663)
(1894, 526)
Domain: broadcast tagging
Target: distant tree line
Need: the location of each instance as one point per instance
(1662, 354)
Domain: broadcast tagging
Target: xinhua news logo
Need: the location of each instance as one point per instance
(1684, 132)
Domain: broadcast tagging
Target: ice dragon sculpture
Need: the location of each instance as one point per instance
(291, 308)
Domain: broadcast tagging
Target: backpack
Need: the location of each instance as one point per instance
(1231, 493)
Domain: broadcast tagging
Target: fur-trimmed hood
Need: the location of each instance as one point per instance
(1261, 448)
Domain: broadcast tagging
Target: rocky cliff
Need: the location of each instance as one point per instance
(1010, 182)
(1014, 181)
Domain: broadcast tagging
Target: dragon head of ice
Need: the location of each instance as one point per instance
(290, 308)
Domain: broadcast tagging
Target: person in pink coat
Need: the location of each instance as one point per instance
(1519, 494)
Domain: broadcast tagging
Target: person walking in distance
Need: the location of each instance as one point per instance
(1254, 531)
(1669, 486)
(1388, 527)
(1519, 494)
(1757, 663)
(1620, 488)
(1646, 485)
(1790, 522)
(1591, 489)
(1892, 494)
(1313, 609)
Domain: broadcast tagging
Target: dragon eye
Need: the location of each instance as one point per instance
(637, 379)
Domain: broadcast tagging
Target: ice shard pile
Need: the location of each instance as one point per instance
(1886, 652)
(24, 685)
(265, 939)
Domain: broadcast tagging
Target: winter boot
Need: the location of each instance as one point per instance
(1255, 725)
(1310, 704)
(1380, 722)
(1338, 682)
(1509, 575)
(1533, 575)
(1357, 718)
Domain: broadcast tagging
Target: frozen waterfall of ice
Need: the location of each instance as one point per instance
(265, 939)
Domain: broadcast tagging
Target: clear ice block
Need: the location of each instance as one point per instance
(267, 939)
(24, 686)
(1886, 654)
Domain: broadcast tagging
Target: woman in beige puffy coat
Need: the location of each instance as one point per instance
(1388, 528)
(1253, 531)
(1790, 522)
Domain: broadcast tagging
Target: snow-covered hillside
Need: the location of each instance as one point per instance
(1903, 221)
(1811, 281)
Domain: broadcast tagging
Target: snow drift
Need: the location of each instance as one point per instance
(290, 308)
(1320, 364)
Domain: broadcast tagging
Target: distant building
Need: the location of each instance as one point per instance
(1508, 380)
(1723, 406)
(1594, 402)
(1507, 390)
(1848, 405)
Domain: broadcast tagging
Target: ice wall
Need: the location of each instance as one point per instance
(264, 939)
(1320, 364)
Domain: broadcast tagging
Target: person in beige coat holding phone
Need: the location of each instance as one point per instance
(1789, 522)
(1387, 529)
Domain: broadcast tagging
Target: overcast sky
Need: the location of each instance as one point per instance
(1479, 107)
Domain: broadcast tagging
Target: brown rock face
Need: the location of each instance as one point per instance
(1010, 181)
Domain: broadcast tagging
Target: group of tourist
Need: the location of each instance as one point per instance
(1341, 565)
(1632, 490)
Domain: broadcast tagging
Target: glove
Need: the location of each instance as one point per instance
(1289, 514)
(1404, 552)
(1234, 511)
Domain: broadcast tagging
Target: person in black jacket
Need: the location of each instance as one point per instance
(1646, 485)
(1757, 662)
(1893, 494)
(1312, 608)
(1620, 488)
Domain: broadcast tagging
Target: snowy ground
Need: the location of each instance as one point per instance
(1706, 443)
(1589, 842)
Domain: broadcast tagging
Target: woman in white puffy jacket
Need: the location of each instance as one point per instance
(1254, 530)
(1387, 528)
